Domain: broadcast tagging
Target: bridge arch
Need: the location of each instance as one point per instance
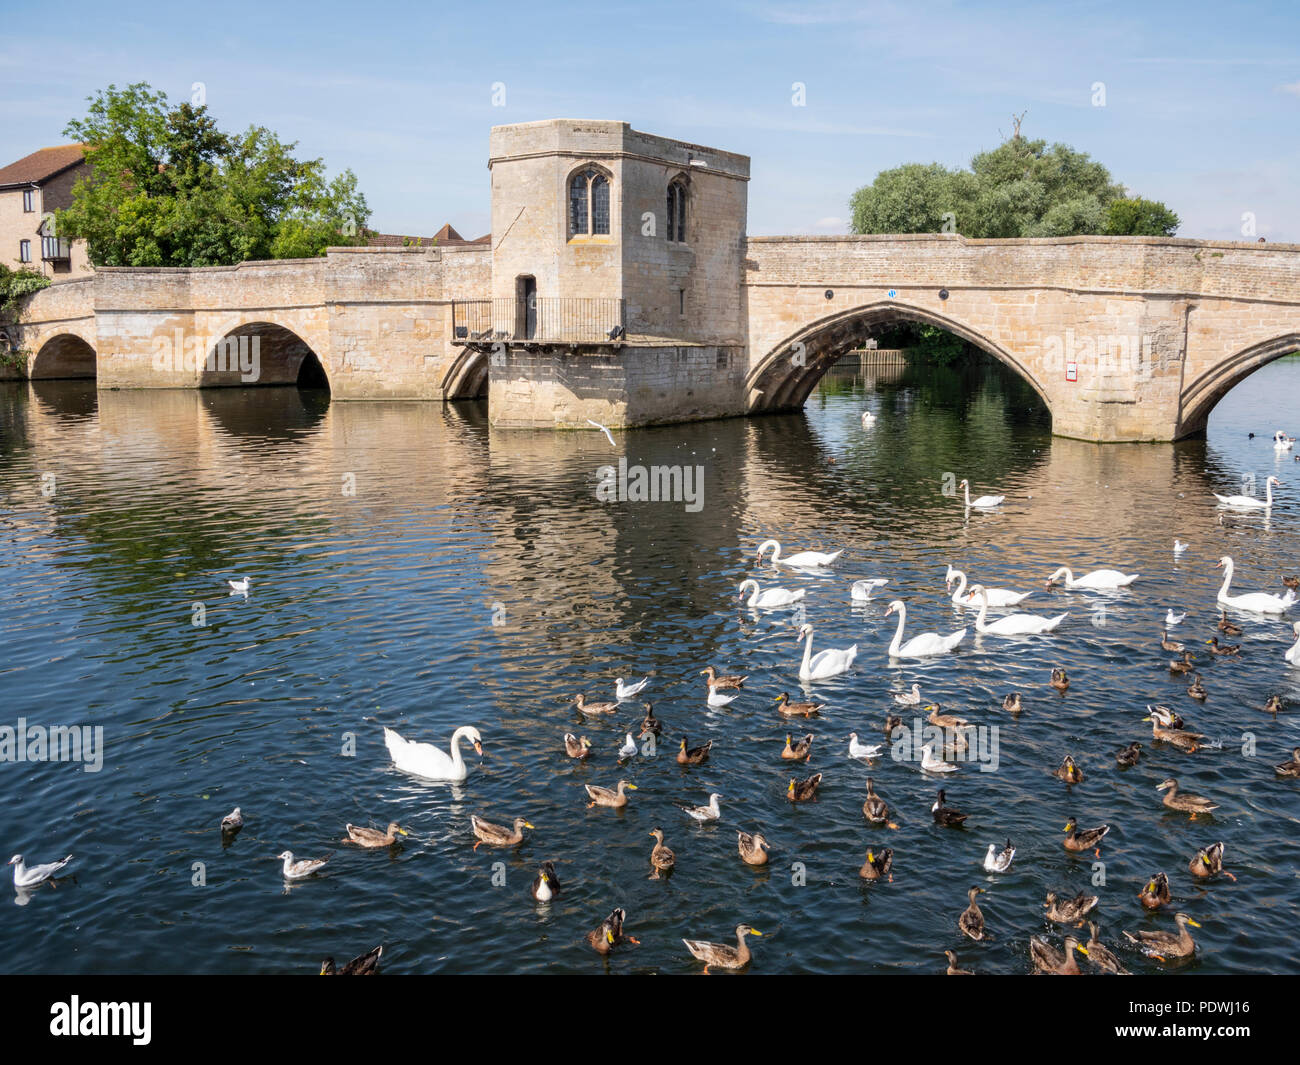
(262, 353)
(1201, 396)
(63, 355)
(467, 376)
(779, 382)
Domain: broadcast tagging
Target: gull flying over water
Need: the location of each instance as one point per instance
(608, 435)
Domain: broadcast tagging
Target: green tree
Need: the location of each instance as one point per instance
(169, 188)
(1021, 188)
(1137, 217)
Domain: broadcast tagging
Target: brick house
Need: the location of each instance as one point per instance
(31, 190)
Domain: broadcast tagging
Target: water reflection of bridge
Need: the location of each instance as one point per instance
(871, 366)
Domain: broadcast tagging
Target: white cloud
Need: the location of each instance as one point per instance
(1293, 88)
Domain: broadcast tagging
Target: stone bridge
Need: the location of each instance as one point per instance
(1123, 338)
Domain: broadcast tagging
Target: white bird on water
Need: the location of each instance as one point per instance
(861, 590)
(1251, 502)
(432, 763)
(629, 691)
(1260, 602)
(912, 698)
(1293, 652)
(932, 763)
(999, 861)
(861, 750)
(301, 869)
(25, 877)
(770, 598)
(711, 812)
(239, 586)
(1172, 619)
(628, 750)
(233, 820)
(981, 502)
(1179, 547)
(828, 663)
(804, 559)
(608, 435)
(717, 700)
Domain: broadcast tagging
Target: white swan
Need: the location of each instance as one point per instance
(1260, 602)
(828, 663)
(1293, 652)
(868, 418)
(426, 760)
(1251, 502)
(1282, 442)
(861, 590)
(628, 691)
(997, 596)
(928, 643)
(983, 502)
(1097, 580)
(932, 763)
(862, 751)
(772, 598)
(799, 558)
(1012, 624)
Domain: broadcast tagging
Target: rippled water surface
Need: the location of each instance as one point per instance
(119, 512)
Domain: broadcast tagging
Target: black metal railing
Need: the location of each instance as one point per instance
(541, 319)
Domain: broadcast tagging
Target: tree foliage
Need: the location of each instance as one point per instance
(16, 285)
(169, 188)
(1022, 188)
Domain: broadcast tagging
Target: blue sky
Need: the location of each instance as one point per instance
(1202, 100)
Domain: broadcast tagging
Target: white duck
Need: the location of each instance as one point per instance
(828, 663)
(999, 861)
(1282, 442)
(29, 877)
(771, 599)
(981, 503)
(1012, 624)
(1260, 602)
(862, 750)
(433, 763)
(928, 643)
(997, 596)
(1098, 580)
(1251, 502)
(932, 763)
(861, 590)
(804, 559)
(628, 691)
(1293, 652)
(716, 700)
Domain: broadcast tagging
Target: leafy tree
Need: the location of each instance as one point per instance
(1140, 218)
(1022, 188)
(169, 188)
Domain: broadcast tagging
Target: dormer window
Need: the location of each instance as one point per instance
(589, 203)
(677, 211)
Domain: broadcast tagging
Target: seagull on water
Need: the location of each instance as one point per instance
(862, 750)
(303, 868)
(1172, 619)
(239, 586)
(999, 861)
(628, 750)
(37, 874)
(703, 813)
(720, 700)
(233, 821)
(629, 691)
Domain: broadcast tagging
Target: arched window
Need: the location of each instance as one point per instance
(588, 203)
(677, 211)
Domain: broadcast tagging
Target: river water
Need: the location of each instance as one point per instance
(413, 568)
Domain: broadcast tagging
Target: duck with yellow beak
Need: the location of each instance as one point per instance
(723, 955)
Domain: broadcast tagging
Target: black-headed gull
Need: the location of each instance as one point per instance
(711, 812)
(629, 691)
(28, 877)
(999, 861)
(300, 870)
(239, 586)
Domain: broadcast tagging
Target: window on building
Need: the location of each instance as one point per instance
(677, 212)
(589, 213)
(29, 200)
(24, 251)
